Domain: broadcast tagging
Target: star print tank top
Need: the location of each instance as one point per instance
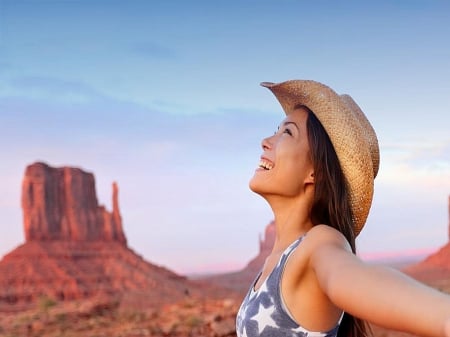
(263, 312)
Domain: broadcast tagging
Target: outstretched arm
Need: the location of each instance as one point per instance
(379, 294)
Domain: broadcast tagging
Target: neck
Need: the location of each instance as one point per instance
(292, 219)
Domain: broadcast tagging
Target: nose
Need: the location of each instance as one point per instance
(266, 144)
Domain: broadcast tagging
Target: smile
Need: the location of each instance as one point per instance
(265, 164)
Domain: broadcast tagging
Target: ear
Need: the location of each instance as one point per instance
(310, 178)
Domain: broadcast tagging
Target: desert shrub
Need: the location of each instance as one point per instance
(134, 316)
(45, 303)
(61, 318)
(194, 321)
(189, 304)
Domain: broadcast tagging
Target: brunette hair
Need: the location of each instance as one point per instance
(331, 205)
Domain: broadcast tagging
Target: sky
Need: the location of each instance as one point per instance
(163, 97)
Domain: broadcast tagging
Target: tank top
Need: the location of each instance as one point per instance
(263, 312)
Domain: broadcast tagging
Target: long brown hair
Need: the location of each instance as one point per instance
(331, 205)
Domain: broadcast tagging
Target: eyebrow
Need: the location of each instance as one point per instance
(288, 122)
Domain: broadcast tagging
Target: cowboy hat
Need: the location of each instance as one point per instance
(351, 134)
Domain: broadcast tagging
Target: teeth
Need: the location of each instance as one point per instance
(265, 165)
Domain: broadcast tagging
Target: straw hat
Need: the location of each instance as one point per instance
(351, 134)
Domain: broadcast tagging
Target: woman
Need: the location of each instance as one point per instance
(317, 172)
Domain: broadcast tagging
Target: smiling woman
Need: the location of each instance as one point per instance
(317, 173)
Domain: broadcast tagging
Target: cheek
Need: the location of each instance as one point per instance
(295, 169)
(287, 172)
(293, 160)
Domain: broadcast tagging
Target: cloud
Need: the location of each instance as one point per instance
(154, 50)
(416, 163)
(413, 149)
(57, 113)
(51, 89)
(54, 88)
(410, 201)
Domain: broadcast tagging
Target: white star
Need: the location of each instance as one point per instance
(264, 317)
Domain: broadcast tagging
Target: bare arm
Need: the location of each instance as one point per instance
(378, 294)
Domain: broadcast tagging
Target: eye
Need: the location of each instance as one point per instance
(289, 132)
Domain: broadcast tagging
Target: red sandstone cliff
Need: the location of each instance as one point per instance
(61, 204)
(66, 270)
(75, 248)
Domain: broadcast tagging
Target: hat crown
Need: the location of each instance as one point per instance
(369, 132)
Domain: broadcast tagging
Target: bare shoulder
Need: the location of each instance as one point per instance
(325, 245)
(321, 244)
(329, 251)
(323, 235)
(323, 250)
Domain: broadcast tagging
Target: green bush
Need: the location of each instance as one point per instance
(45, 303)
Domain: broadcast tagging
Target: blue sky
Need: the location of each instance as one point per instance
(164, 98)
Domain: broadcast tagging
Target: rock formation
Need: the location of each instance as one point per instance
(265, 247)
(434, 269)
(240, 281)
(67, 270)
(75, 248)
(61, 204)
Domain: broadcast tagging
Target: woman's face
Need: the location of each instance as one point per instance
(285, 167)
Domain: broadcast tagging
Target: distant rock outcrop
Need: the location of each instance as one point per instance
(433, 269)
(436, 267)
(240, 281)
(61, 204)
(265, 247)
(77, 249)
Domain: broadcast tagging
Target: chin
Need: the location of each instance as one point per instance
(256, 186)
(252, 187)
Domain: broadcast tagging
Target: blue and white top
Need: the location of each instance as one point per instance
(263, 312)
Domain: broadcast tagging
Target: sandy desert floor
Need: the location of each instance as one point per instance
(134, 316)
